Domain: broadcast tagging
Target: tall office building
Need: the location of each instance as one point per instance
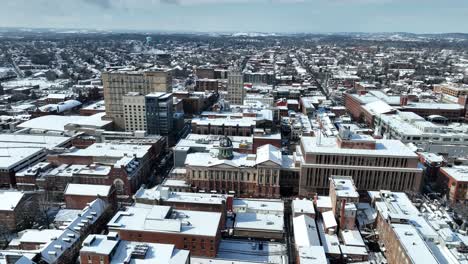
(134, 112)
(372, 163)
(159, 113)
(152, 113)
(118, 83)
(235, 86)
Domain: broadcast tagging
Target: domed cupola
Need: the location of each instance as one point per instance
(225, 148)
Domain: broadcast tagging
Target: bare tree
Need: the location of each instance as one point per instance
(5, 236)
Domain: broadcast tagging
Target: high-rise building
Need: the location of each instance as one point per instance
(118, 83)
(159, 113)
(152, 113)
(235, 86)
(134, 112)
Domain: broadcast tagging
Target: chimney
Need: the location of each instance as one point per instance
(315, 199)
(463, 100)
(229, 202)
(342, 213)
(403, 100)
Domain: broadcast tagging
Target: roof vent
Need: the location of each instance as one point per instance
(139, 251)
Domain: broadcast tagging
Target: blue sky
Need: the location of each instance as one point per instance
(420, 16)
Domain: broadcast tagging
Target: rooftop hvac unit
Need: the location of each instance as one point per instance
(139, 251)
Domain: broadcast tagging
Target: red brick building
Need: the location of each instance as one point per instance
(14, 206)
(253, 175)
(207, 85)
(455, 182)
(197, 231)
(78, 196)
(106, 249)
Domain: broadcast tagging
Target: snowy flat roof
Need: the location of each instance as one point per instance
(378, 107)
(312, 255)
(10, 199)
(324, 202)
(414, 244)
(182, 197)
(305, 231)
(259, 222)
(39, 236)
(440, 106)
(113, 150)
(175, 183)
(241, 122)
(384, 148)
(11, 157)
(97, 170)
(156, 253)
(258, 205)
(58, 122)
(459, 173)
(142, 217)
(352, 238)
(87, 189)
(329, 219)
(246, 252)
(397, 205)
(31, 140)
(344, 186)
(330, 243)
(303, 206)
(99, 105)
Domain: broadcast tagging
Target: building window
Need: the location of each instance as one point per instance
(119, 186)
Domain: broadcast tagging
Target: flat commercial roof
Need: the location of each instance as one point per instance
(344, 186)
(113, 150)
(39, 236)
(439, 106)
(11, 157)
(384, 148)
(305, 231)
(459, 173)
(156, 253)
(398, 206)
(259, 222)
(312, 255)
(87, 189)
(352, 238)
(58, 122)
(324, 202)
(151, 219)
(260, 205)
(303, 206)
(182, 197)
(10, 199)
(246, 252)
(241, 122)
(414, 244)
(31, 140)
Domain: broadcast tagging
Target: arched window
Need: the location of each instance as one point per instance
(119, 186)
